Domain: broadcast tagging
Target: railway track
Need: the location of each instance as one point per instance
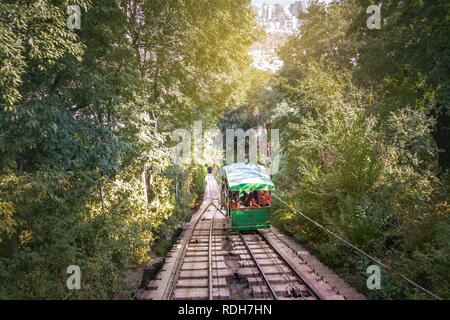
(281, 280)
(211, 262)
(197, 273)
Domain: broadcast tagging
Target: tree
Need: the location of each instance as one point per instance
(406, 61)
(85, 163)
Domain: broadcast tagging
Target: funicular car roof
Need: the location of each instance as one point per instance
(250, 176)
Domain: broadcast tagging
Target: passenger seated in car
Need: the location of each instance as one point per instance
(264, 198)
(245, 199)
(254, 199)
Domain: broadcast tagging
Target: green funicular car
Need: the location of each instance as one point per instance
(238, 180)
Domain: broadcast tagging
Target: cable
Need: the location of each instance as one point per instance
(357, 249)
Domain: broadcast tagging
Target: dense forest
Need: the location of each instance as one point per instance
(364, 119)
(86, 175)
(86, 115)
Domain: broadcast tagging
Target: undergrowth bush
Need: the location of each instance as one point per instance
(374, 184)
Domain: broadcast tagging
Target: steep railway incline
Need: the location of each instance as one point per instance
(209, 261)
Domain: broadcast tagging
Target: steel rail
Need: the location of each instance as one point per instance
(220, 210)
(274, 256)
(176, 272)
(272, 291)
(309, 284)
(210, 284)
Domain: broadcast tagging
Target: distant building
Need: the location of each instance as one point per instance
(279, 22)
(296, 8)
(280, 19)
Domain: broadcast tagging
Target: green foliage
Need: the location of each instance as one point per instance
(7, 223)
(198, 183)
(33, 35)
(364, 181)
(359, 146)
(85, 118)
